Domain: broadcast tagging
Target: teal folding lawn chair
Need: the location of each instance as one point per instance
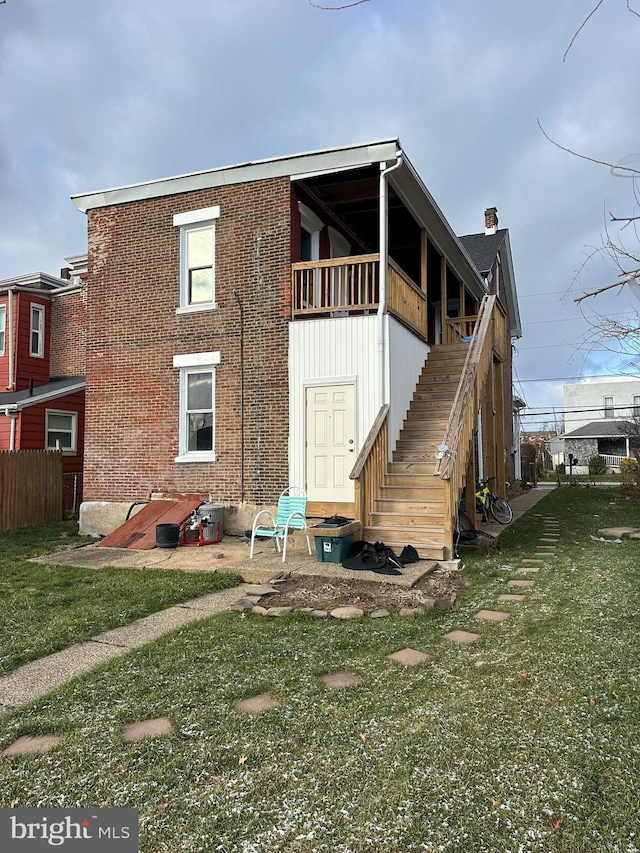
(290, 515)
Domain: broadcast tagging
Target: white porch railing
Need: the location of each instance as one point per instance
(613, 461)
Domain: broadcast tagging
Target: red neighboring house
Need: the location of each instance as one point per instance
(42, 361)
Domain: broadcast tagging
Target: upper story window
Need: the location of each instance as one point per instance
(62, 431)
(197, 259)
(636, 405)
(36, 344)
(3, 327)
(196, 433)
(608, 407)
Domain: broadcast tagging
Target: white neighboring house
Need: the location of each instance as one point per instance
(601, 418)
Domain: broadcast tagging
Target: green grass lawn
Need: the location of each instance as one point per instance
(46, 608)
(526, 741)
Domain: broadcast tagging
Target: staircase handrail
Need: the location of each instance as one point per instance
(370, 441)
(465, 389)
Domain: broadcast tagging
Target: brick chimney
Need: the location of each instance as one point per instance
(491, 220)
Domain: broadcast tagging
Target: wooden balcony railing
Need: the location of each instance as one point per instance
(349, 286)
(457, 328)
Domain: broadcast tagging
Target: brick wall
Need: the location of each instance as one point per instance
(133, 333)
(68, 334)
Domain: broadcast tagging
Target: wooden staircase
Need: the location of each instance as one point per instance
(410, 507)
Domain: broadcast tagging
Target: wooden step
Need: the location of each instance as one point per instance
(442, 394)
(424, 469)
(428, 548)
(412, 454)
(431, 523)
(423, 426)
(418, 444)
(426, 479)
(439, 377)
(422, 493)
(410, 505)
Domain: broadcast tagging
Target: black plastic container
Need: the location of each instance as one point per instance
(167, 535)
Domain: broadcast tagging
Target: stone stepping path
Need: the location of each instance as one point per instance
(338, 680)
(158, 727)
(462, 637)
(255, 704)
(492, 615)
(252, 594)
(408, 657)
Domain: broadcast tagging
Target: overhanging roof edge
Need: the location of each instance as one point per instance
(287, 166)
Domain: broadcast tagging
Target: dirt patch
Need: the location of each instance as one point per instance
(326, 593)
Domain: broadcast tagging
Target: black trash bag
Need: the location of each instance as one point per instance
(363, 556)
(409, 555)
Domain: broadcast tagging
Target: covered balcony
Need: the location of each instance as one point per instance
(348, 287)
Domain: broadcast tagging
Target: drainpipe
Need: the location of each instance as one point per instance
(12, 382)
(12, 433)
(382, 299)
(241, 310)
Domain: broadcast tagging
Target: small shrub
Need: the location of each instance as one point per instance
(560, 469)
(597, 465)
(629, 471)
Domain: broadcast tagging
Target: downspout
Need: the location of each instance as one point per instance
(382, 299)
(12, 382)
(241, 310)
(12, 430)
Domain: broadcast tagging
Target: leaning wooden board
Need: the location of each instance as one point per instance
(139, 532)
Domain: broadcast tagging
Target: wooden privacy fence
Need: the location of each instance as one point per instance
(30, 487)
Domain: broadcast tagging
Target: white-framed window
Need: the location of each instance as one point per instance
(36, 338)
(196, 433)
(197, 259)
(636, 406)
(62, 431)
(608, 407)
(3, 327)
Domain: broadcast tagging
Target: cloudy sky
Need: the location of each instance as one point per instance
(99, 94)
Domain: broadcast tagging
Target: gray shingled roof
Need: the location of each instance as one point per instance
(483, 248)
(49, 391)
(602, 429)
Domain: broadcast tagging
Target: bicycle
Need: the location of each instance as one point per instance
(489, 503)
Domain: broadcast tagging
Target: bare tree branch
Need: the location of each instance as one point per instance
(577, 32)
(629, 169)
(626, 219)
(340, 8)
(630, 277)
(633, 11)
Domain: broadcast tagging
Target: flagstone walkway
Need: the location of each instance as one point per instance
(36, 679)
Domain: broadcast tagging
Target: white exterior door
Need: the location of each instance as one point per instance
(331, 434)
